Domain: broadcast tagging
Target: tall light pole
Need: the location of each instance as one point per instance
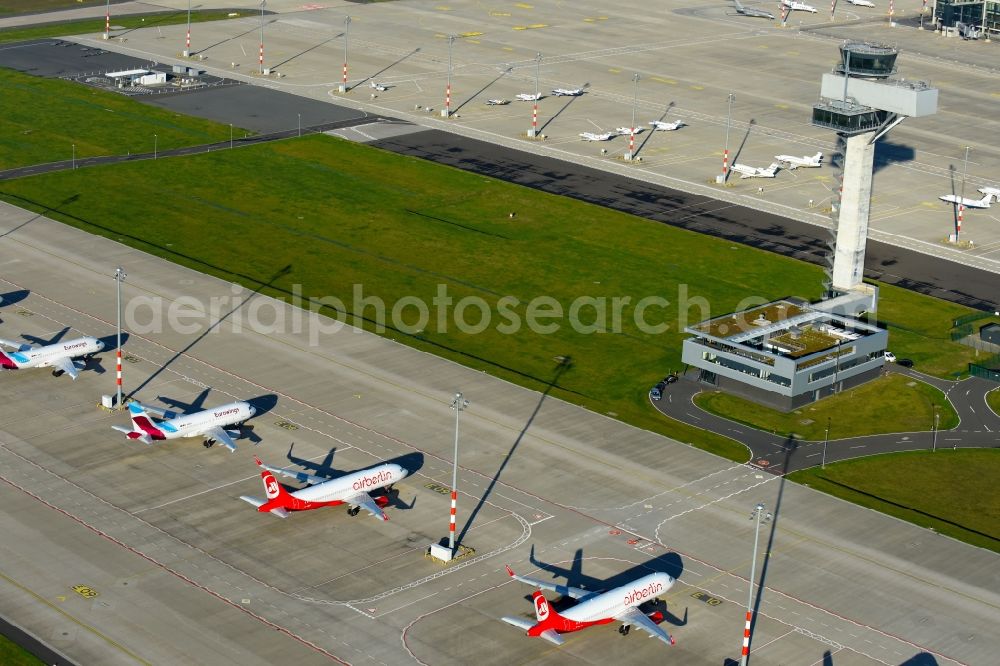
(961, 199)
(74, 155)
(300, 124)
(725, 153)
(826, 440)
(230, 136)
(458, 404)
(635, 101)
(154, 146)
(758, 513)
(187, 44)
(119, 278)
(347, 33)
(534, 108)
(262, 3)
(447, 90)
(934, 442)
(107, 20)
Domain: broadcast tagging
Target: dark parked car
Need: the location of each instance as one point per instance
(671, 378)
(905, 363)
(657, 391)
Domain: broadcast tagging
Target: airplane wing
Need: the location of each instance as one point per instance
(565, 590)
(17, 346)
(365, 501)
(221, 436)
(298, 476)
(66, 365)
(637, 618)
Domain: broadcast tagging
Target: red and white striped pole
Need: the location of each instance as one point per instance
(892, 11)
(447, 101)
(118, 371)
(458, 404)
(345, 73)
(631, 144)
(758, 513)
(347, 34)
(725, 162)
(833, 8)
(784, 15)
(746, 636)
(534, 119)
(119, 278)
(107, 20)
(958, 227)
(261, 59)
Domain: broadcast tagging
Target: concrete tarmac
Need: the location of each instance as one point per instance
(550, 488)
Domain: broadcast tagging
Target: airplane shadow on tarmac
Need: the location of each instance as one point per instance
(668, 563)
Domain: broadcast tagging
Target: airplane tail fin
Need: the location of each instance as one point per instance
(277, 496)
(986, 200)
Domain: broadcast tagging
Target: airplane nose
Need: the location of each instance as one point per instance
(253, 410)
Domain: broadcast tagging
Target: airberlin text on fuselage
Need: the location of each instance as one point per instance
(373, 481)
(644, 593)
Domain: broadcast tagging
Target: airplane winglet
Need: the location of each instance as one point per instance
(510, 572)
(257, 460)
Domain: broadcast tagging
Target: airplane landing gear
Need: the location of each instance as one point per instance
(208, 443)
(624, 629)
(353, 511)
(57, 373)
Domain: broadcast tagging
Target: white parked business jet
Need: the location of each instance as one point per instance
(59, 355)
(751, 11)
(862, 3)
(381, 87)
(755, 172)
(528, 97)
(351, 489)
(662, 126)
(620, 604)
(992, 191)
(625, 131)
(968, 203)
(592, 136)
(497, 102)
(798, 6)
(795, 162)
(571, 92)
(210, 424)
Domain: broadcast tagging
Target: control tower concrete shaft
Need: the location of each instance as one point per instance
(861, 101)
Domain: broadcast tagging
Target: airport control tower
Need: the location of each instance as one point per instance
(862, 101)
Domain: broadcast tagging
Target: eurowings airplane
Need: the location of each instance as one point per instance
(592, 136)
(755, 172)
(351, 489)
(625, 131)
(59, 356)
(795, 162)
(751, 11)
(210, 424)
(661, 126)
(571, 92)
(798, 6)
(528, 97)
(862, 3)
(968, 203)
(620, 604)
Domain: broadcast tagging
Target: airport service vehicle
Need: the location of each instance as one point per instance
(798, 6)
(755, 172)
(751, 11)
(352, 489)
(661, 126)
(794, 162)
(60, 356)
(528, 97)
(571, 92)
(210, 424)
(497, 102)
(618, 605)
(625, 131)
(968, 203)
(862, 3)
(889, 357)
(593, 136)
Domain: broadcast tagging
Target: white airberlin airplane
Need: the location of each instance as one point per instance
(798, 6)
(625, 131)
(756, 172)
(618, 605)
(592, 136)
(662, 126)
(794, 162)
(528, 97)
(862, 3)
(571, 92)
(351, 489)
(968, 203)
(210, 424)
(58, 356)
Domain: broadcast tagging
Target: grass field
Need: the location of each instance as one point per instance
(930, 489)
(120, 24)
(10, 7)
(12, 654)
(893, 403)
(993, 400)
(95, 121)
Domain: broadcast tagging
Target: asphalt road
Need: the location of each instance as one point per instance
(978, 427)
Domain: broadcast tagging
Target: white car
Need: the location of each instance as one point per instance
(890, 357)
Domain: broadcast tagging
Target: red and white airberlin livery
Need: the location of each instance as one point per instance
(58, 356)
(351, 489)
(620, 604)
(210, 423)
